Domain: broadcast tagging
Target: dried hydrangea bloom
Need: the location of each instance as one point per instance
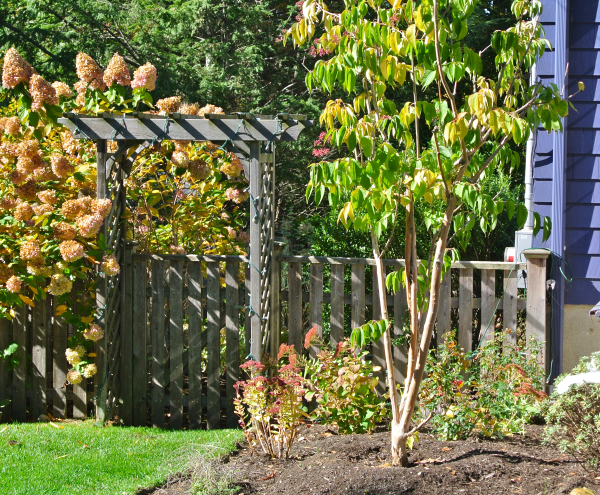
(71, 209)
(17, 178)
(38, 267)
(13, 284)
(181, 145)
(64, 231)
(7, 203)
(189, 108)
(26, 165)
(41, 92)
(87, 69)
(144, 77)
(42, 209)
(28, 147)
(198, 169)
(69, 143)
(231, 233)
(110, 265)
(85, 203)
(5, 273)
(74, 377)
(59, 285)
(61, 167)
(12, 126)
(62, 89)
(71, 250)
(236, 195)
(100, 207)
(94, 333)
(211, 109)
(243, 237)
(43, 174)
(15, 69)
(180, 159)
(23, 212)
(233, 166)
(89, 225)
(48, 196)
(177, 249)
(27, 191)
(73, 356)
(30, 250)
(90, 370)
(210, 146)
(60, 267)
(117, 71)
(169, 105)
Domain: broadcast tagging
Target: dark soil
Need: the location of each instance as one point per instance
(325, 463)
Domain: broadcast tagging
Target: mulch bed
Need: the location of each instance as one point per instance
(325, 463)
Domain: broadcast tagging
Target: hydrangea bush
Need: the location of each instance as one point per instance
(182, 196)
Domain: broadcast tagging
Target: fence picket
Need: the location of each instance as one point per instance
(378, 347)
(337, 304)
(232, 340)
(295, 306)
(5, 341)
(79, 390)
(19, 328)
(315, 304)
(247, 316)
(358, 296)
(444, 314)
(488, 305)
(158, 343)
(213, 345)
(400, 351)
(126, 336)
(59, 364)
(195, 342)
(139, 351)
(38, 359)
(176, 343)
(509, 310)
(465, 309)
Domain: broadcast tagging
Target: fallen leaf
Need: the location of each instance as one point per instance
(13, 442)
(429, 461)
(446, 449)
(58, 427)
(333, 452)
(453, 472)
(573, 474)
(582, 491)
(62, 456)
(327, 434)
(386, 465)
(4, 429)
(448, 468)
(272, 475)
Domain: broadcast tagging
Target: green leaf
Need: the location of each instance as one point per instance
(510, 209)
(521, 216)
(366, 143)
(429, 77)
(547, 229)
(537, 223)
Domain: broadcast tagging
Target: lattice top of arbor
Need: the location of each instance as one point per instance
(244, 134)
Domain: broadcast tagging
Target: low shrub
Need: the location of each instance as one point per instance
(494, 391)
(574, 417)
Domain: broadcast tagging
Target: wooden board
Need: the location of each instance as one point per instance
(126, 336)
(465, 309)
(232, 351)
(316, 303)
(247, 322)
(19, 329)
(38, 359)
(358, 296)
(488, 306)
(536, 327)
(509, 311)
(158, 343)
(444, 313)
(59, 364)
(139, 356)
(195, 342)
(213, 345)
(295, 306)
(80, 398)
(337, 304)
(256, 273)
(5, 374)
(176, 344)
(378, 347)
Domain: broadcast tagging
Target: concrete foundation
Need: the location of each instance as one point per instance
(581, 335)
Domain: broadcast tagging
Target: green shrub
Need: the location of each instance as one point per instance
(494, 391)
(574, 417)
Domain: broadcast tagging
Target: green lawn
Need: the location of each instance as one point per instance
(40, 459)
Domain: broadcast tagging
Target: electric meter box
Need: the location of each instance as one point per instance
(523, 240)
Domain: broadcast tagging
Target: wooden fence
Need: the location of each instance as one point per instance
(180, 352)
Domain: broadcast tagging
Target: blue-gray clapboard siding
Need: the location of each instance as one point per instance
(582, 215)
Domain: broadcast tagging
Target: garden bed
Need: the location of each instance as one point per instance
(323, 462)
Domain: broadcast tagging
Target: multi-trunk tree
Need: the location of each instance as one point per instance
(421, 154)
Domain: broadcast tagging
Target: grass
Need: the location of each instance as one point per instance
(78, 457)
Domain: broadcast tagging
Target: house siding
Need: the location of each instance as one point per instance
(582, 215)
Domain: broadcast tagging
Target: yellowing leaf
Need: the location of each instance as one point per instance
(581, 86)
(60, 309)
(12, 313)
(27, 300)
(87, 319)
(33, 289)
(411, 34)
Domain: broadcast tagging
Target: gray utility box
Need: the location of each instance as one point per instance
(523, 240)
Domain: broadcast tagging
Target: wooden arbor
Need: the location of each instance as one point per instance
(252, 139)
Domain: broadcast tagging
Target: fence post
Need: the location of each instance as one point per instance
(536, 301)
(275, 313)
